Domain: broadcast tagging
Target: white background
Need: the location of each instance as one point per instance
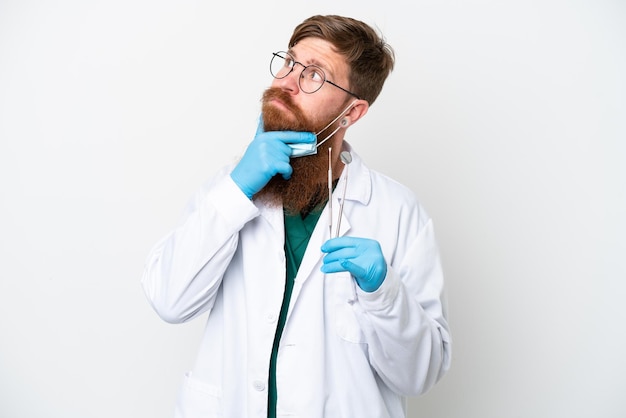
(507, 118)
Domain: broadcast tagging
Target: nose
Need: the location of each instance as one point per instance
(289, 83)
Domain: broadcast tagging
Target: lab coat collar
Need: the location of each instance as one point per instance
(359, 179)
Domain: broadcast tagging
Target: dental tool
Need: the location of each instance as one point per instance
(330, 192)
(346, 158)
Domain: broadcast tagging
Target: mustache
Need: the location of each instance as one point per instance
(276, 118)
(282, 96)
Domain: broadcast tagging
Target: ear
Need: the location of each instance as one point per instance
(357, 111)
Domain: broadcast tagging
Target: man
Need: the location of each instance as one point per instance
(316, 308)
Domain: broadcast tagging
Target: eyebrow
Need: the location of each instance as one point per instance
(314, 62)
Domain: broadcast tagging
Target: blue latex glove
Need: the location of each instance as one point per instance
(267, 155)
(362, 257)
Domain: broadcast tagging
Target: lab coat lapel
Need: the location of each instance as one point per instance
(312, 260)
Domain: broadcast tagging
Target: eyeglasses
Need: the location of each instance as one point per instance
(311, 79)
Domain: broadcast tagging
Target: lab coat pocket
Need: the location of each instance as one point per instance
(344, 297)
(198, 399)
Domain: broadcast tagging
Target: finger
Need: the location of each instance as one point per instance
(354, 269)
(284, 169)
(340, 254)
(275, 162)
(277, 150)
(333, 267)
(271, 150)
(335, 244)
(294, 137)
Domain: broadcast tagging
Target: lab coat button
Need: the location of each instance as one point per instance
(271, 318)
(259, 385)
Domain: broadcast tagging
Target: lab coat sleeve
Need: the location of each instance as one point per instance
(184, 270)
(404, 321)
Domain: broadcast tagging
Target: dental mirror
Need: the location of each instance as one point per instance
(345, 158)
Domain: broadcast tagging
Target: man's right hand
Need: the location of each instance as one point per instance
(267, 155)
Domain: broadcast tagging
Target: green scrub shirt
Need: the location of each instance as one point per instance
(298, 230)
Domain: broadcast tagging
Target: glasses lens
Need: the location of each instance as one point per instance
(312, 79)
(281, 64)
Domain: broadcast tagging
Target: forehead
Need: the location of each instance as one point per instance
(321, 53)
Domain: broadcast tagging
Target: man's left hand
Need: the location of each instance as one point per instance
(362, 257)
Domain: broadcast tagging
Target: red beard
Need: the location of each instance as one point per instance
(307, 188)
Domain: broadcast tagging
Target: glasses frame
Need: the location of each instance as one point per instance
(304, 67)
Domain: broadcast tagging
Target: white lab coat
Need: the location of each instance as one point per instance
(343, 352)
